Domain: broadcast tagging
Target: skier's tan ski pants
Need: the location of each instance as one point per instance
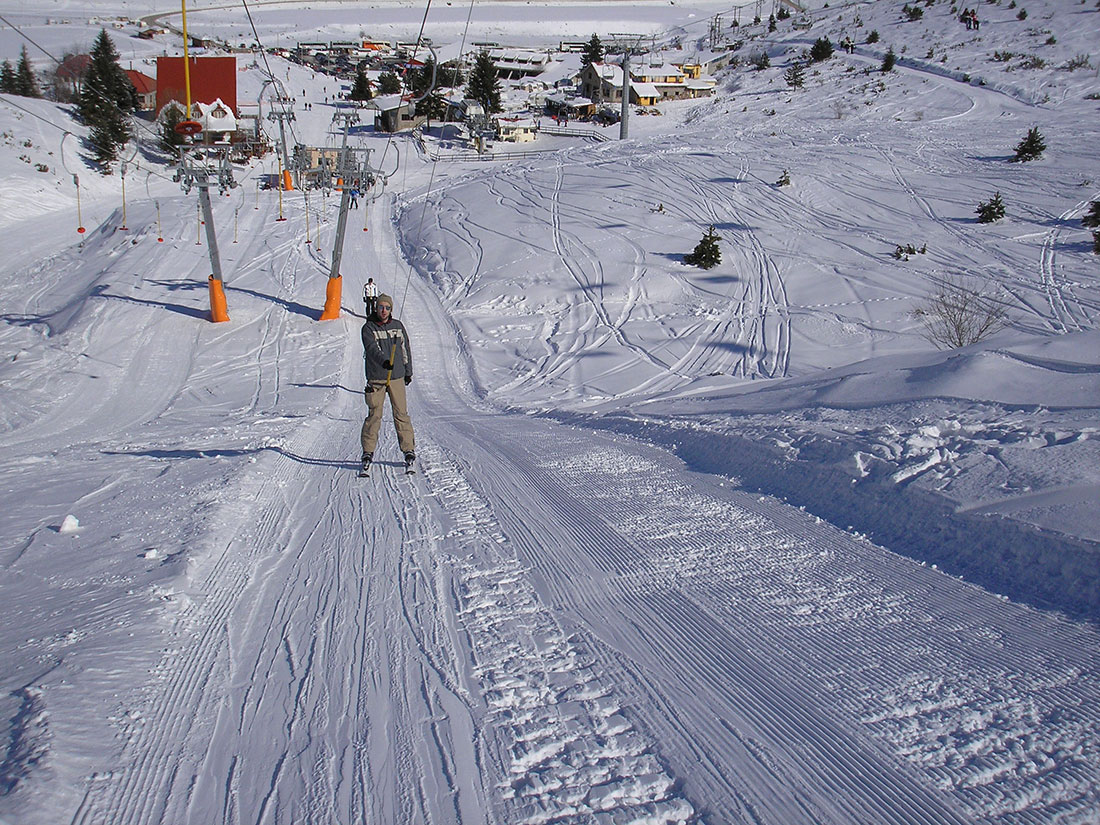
(376, 400)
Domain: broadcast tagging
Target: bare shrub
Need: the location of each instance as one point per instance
(961, 311)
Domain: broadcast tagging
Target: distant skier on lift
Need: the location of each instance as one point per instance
(388, 360)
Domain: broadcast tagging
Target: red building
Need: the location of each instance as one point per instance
(211, 78)
(146, 88)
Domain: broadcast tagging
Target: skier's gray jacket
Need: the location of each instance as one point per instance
(378, 347)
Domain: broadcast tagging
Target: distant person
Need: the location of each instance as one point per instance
(388, 362)
(355, 198)
(370, 295)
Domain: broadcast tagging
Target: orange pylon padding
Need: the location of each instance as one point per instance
(288, 181)
(332, 299)
(219, 312)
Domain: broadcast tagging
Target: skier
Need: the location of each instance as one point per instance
(370, 295)
(354, 198)
(388, 360)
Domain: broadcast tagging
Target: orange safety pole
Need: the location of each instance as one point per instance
(219, 310)
(332, 299)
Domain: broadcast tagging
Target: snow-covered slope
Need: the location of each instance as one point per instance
(734, 545)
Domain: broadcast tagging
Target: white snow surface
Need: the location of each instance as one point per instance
(734, 545)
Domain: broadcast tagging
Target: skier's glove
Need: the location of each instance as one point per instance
(387, 365)
(408, 380)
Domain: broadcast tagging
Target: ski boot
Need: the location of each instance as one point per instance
(364, 467)
(410, 463)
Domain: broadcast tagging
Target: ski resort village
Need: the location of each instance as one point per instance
(485, 412)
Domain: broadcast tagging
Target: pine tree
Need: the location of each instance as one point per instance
(389, 83)
(991, 210)
(707, 253)
(1096, 243)
(889, 60)
(361, 89)
(170, 117)
(1031, 147)
(448, 75)
(796, 75)
(25, 83)
(484, 85)
(593, 51)
(7, 78)
(1092, 219)
(822, 49)
(105, 99)
(432, 106)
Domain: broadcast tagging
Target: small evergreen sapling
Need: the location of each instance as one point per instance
(1031, 147)
(784, 179)
(1092, 218)
(822, 49)
(889, 60)
(991, 210)
(7, 78)
(707, 253)
(25, 82)
(796, 76)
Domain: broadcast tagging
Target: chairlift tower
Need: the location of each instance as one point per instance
(630, 42)
(202, 166)
(283, 112)
(350, 172)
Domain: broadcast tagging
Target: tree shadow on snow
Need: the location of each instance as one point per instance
(718, 279)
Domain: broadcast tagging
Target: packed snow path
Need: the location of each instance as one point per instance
(549, 624)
